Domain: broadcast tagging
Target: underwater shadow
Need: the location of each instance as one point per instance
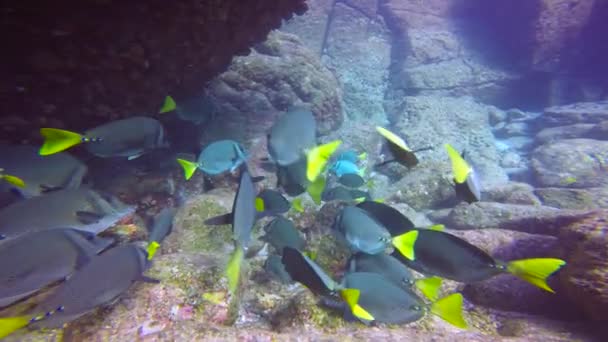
(501, 31)
(588, 55)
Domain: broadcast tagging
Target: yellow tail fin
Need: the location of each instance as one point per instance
(168, 106)
(404, 243)
(351, 297)
(535, 271)
(57, 140)
(16, 181)
(9, 325)
(392, 137)
(259, 204)
(315, 189)
(429, 287)
(450, 310)
(297, 204)
(460, 167)
(233, 269)
(317, 158)
(362, 156)
(437, 227)
(152, 247)
(188, 166)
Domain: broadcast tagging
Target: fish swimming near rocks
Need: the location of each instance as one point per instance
(39, 174)
(197, 110)
(101, 281)
(81, 209)
(37, 259)
(438, 253)
(293, 136)
(216, 158)
(371, 297)
(467, 185)
(161, 227)
(130, 138)
(281, 233)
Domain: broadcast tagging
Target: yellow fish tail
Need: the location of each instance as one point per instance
(315, 189)
(351, 297)
(9, 325)
(317, 158)
(188, 166)
(404, 243)
(392, 137)
(429, 287)
(297, 204)
(460, 167)
(168, 106)
(57, 140)
(233, 269)
(536, 271)
(152, 248)
(450, 310)
(14, 180)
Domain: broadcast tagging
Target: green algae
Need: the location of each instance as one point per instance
(196, 235)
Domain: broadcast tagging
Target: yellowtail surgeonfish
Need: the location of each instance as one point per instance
(242, 218)
(81, 209)
(465, 178)
(101, 281)
(130, 138)
(198, 109)
(162, 225)
(38, 174)
(37, 259)
(363, 233)
(371, 297)
(398, 149)
(216, 158)
(292, 136)
(438, 253)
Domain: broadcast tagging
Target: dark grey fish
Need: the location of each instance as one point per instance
(291, 136)
(243, 210)
(162, 225)
(385, 265)
(389, 303)
(292, 178)
(361, 232)
(307, 272)
(99, 282)
(198, 109)
(129, 138)
(37, 259)
(281, 233)
(271, 202)
(82, 209)
(40, 174)
(389, 217)
(351, 180)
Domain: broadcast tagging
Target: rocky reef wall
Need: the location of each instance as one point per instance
(79, 63)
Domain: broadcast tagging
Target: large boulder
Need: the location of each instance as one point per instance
(429, 121)
(581, 112)
(585, 279)
(534, 219)
(573, 163)
(278, 74)
(567, 198)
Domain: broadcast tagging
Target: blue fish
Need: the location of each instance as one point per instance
(218, 157)
(342, 167)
